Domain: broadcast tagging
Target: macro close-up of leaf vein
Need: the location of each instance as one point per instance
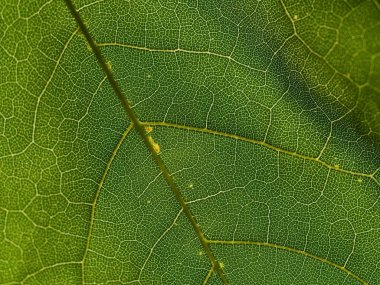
(190, 142)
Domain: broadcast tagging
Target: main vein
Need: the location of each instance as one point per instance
(147, 140)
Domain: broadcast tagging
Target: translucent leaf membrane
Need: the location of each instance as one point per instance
(265, 113)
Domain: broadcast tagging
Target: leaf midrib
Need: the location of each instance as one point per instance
(146, 139)
(232, 136)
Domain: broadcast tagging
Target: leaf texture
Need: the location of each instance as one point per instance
(266, 115)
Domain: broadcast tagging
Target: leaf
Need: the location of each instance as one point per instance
(264, 115)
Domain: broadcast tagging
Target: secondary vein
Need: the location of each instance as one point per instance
(294, 250)
(97, 194)
(264, 144)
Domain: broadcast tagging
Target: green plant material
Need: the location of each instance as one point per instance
(264, 115)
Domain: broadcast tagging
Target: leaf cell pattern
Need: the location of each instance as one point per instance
(267, 117)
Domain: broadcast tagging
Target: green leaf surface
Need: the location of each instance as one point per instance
(263, 117)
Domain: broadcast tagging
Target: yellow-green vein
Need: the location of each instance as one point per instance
(291, 19)
(179, 50)
(48, 267)
(284, 151)
(228, 57)
(148, 141)
(49, 80)
(97, 194)
(208, 276)
(287, 248)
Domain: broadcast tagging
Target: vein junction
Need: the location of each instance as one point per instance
(264, 144)
(149, 125)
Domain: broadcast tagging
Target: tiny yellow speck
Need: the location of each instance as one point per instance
(156, 147)
(337, 166)
(295, 17)
(201, 252)
(148, 129)
(109, 65)
(190, 186)
(221, 264)
(360, 180)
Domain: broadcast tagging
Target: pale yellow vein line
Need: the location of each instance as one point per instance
(284, 151)
(179, 50)
(224, 56)
(208, 276)
(158, 240)
(49, 80)
(290, 249)
(89, 5)
(97, 194)
(334, 167)
(314, 52)
(37, 12)
(48, 267)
